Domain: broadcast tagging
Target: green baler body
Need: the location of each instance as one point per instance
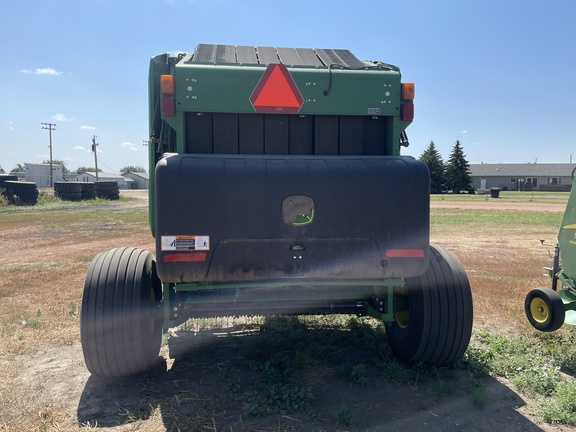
(359, 102)
(567, 235)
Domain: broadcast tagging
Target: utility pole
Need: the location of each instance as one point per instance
(50, 127)
(94, 144)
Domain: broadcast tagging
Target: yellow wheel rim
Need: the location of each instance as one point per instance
(539, 310)
(402, 318)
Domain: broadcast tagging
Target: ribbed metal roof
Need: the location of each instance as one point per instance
(211, 53)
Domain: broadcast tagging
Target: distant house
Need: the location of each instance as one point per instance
(40, 174)
(523, 177)
(123, 183)
(141, 179)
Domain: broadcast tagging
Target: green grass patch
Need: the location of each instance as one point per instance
(486, 219)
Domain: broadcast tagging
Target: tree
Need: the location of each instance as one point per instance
(457, 171)
(431, 157)
(18, 169)
(131, 168)
(65, 170)
(82, 170)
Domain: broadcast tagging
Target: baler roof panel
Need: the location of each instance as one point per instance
(212, 53)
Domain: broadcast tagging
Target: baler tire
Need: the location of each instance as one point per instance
(121, 317)
(544, 309)
(437, 327)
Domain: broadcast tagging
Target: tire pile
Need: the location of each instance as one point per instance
(77, 191)
(18, 192)
(107, 190)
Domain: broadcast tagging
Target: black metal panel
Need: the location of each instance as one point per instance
(199, 133)
(302, 135)
(339, 57)
(326, 135)
(212, 53)
(225, 127)
(246, 55)
(251, 133)
(289, 56)
(244, 213)
(267, 55)
(225, 54)
(205, 53)
(309, 57)
(282, 134)
(348, 59)
(374, 135)
(276, 136)
(351, 135)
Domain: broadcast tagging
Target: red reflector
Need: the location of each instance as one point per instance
(185, 257)
(276, 91)
(407, 112)
(405, 253)
(168, 106)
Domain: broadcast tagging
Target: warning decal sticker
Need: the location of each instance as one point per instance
(185, 243)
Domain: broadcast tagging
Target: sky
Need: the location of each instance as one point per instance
(496, 75)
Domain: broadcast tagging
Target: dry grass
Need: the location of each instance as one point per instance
(44, 257)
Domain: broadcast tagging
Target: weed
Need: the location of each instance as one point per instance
(278, 398)
(73, 308)
(477, 393)
(344, 415)
(442, 388)
(393, 371)
(358, 374)
(31, 320)
(562, 407)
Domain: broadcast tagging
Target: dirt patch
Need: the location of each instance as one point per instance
(45, 385)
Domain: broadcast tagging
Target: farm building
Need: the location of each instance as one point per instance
(40, 174)
(123, 183)
(140, 179)
(523, 177)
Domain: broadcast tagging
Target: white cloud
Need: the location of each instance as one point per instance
(10, 125)
(62, 117)
(129, 145)
(41, 71)
(79, 148)
(465, 131)
(87, 127)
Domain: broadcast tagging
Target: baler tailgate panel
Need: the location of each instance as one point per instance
(242, 218)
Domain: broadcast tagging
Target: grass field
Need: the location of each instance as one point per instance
(45, 251)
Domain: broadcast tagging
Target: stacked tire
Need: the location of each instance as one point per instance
(107, 190)
(88, 191)
(68, 191)
(20, 192)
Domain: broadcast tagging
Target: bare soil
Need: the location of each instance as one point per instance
(45, 386)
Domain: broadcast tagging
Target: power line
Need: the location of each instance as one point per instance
(50, 127)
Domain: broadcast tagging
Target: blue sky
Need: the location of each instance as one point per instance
(497, 75)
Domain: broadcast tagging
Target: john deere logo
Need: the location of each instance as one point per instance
(298, 210)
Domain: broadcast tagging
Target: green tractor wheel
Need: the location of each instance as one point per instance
(437, 325)
(544, 309)
(121, 317)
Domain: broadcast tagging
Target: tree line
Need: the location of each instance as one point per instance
(453, 175)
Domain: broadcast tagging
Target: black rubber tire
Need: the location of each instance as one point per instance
(21, 192)
(88, 191)
(70, 196)
(121, 317)
(544, 309)
(438, 329)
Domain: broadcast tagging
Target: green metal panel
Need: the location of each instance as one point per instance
(227, 88)
(567, 234)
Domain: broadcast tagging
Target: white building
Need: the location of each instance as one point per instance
(123, 183)
(141, 179)
(40, 174)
